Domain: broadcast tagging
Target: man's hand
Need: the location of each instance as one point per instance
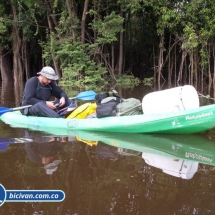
(51, 105)
(62, 101)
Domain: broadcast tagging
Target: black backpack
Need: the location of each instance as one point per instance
(106, 104)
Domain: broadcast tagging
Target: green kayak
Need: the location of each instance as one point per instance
(180, 122)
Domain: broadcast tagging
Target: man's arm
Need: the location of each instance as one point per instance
(30, 90)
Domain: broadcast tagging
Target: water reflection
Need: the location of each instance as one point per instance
(176, 155)
(172, 166)
(46, 154)
(103, 172)
(4, 142)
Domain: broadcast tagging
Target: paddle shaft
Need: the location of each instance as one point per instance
(22, 107)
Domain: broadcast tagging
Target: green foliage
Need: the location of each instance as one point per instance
(191, 41)
(108, 28)
(46, 45)
(127, 80)
(149, 81)
(2, 28)
(5, 22)
(78, 69)
(204, 57)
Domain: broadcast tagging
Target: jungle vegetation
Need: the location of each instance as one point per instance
(94, 42)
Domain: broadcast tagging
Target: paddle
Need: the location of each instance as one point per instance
(86, 95)
(5, 110)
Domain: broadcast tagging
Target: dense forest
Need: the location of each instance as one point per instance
(93, 42)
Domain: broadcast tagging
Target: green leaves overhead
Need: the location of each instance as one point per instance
(92, 41)
(108, 28)
(77, 65)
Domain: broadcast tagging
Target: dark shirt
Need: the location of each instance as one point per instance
(35, 92)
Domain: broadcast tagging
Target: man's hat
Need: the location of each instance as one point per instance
(48, 72)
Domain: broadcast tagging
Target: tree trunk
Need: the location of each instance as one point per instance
(7, 92)
(83, 21)
(170, 65)
(121, 42)
(5, 66)
(184, 54)
(17, 43)
(195, 72)
(160, 60)
(112, 58)
(175, 65)
(25, 56)
(191, 70)
(56, 64)
(209, 70)
(69, 8)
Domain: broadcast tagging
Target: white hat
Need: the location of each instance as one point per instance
(48, 72)
(51, 167)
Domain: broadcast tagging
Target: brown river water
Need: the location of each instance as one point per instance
(107, 174)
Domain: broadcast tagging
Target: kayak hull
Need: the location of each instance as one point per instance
(181, 122)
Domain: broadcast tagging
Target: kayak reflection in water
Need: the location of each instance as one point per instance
(169, 164)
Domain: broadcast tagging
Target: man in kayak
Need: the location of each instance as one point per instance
(38, 91)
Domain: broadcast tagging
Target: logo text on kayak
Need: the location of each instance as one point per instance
(199, 116)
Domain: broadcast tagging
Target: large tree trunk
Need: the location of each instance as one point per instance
(7, 94)
(5, 66)
(17, 43)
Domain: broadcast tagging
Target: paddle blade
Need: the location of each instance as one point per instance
(86, 95)
(5, 110)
